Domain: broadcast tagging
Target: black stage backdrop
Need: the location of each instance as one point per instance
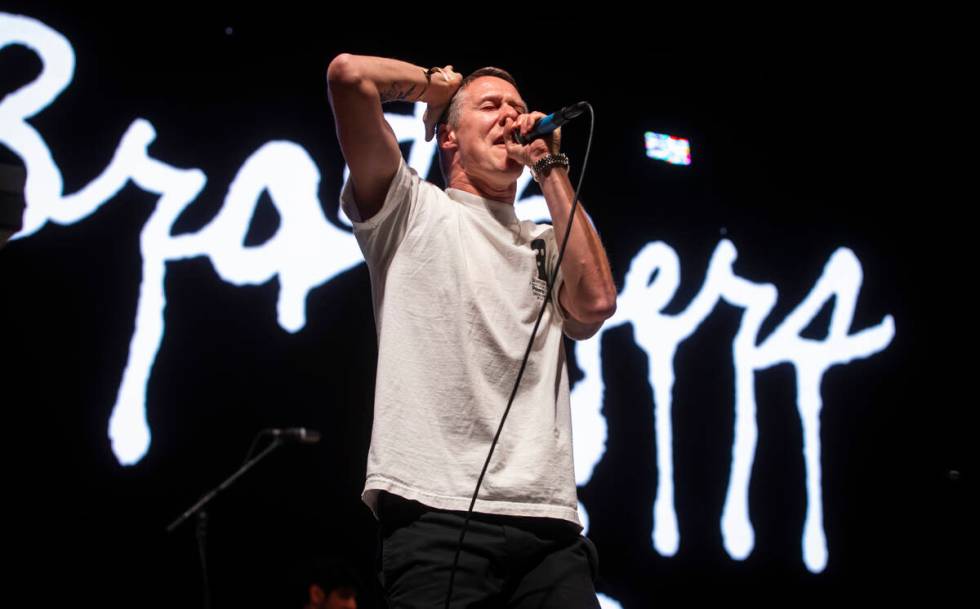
(804, 150)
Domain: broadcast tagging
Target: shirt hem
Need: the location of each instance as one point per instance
(376, 483)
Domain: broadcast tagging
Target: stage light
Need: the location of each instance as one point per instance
(673, 150)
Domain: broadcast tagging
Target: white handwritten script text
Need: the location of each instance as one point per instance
(307, 250)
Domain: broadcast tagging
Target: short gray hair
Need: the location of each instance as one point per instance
(451, 115)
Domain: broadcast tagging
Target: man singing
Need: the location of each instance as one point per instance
(457, 282)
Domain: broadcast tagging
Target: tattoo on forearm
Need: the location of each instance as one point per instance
(398, 92)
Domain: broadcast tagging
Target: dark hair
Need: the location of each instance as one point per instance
(331, 575)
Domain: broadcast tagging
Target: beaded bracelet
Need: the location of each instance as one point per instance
(547, 162)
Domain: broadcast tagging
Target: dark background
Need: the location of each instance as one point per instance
(802, 142)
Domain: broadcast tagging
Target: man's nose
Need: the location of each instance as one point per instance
(508, 111)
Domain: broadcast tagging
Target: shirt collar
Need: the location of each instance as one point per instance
(502, 212)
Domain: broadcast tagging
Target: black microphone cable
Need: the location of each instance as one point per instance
(527, 353)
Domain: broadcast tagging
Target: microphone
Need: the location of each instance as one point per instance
(549, 123)
(301, 435)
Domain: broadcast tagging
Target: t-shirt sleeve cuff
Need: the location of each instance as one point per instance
(400, 183)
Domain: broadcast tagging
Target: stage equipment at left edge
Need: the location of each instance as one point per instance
(280, 436)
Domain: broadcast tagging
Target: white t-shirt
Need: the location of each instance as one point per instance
(456, 285)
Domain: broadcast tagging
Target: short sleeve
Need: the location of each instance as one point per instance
(380, 235)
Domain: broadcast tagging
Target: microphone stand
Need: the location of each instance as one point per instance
(202, 516)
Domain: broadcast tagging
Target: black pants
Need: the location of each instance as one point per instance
(507, 561)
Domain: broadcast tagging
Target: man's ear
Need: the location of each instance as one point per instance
(447, 137)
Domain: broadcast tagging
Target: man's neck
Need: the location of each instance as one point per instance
(468, 184)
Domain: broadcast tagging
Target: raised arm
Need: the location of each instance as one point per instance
(357, 85)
